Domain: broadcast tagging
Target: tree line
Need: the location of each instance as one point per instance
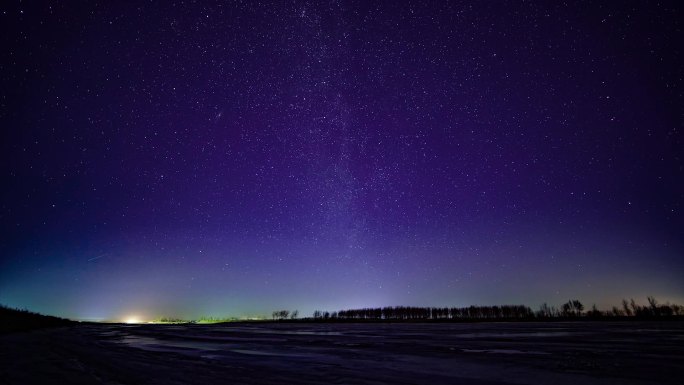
(428, 313)
(280, 315)
(12, 320)
(572, 309)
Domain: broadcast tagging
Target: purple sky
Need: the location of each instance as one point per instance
(199, 159)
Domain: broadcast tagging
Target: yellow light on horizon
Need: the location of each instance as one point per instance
(132, 320)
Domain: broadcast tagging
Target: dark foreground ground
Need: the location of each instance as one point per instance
(485, 353)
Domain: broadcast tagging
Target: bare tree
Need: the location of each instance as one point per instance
(567, 308)
(626, 308)
(577, 305)
(594, 312)
(280, 314)
(653, 304)
(544, 311)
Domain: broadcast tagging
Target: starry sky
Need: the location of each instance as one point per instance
(230, 159)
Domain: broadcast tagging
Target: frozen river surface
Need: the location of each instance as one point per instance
(399, 353)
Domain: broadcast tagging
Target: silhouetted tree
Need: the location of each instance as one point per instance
(594, 312)
(634, 306)
(578, 307)
(567, 309)
(544, 311)
(653, 304)
(280, 314)
(572, 308)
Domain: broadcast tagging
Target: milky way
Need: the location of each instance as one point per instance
(196, 159)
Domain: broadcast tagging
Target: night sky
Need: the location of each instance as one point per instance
(195, 159)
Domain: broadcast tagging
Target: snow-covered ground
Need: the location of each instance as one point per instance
(399, 353)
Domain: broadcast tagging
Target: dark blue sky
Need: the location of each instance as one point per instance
(188, 158)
